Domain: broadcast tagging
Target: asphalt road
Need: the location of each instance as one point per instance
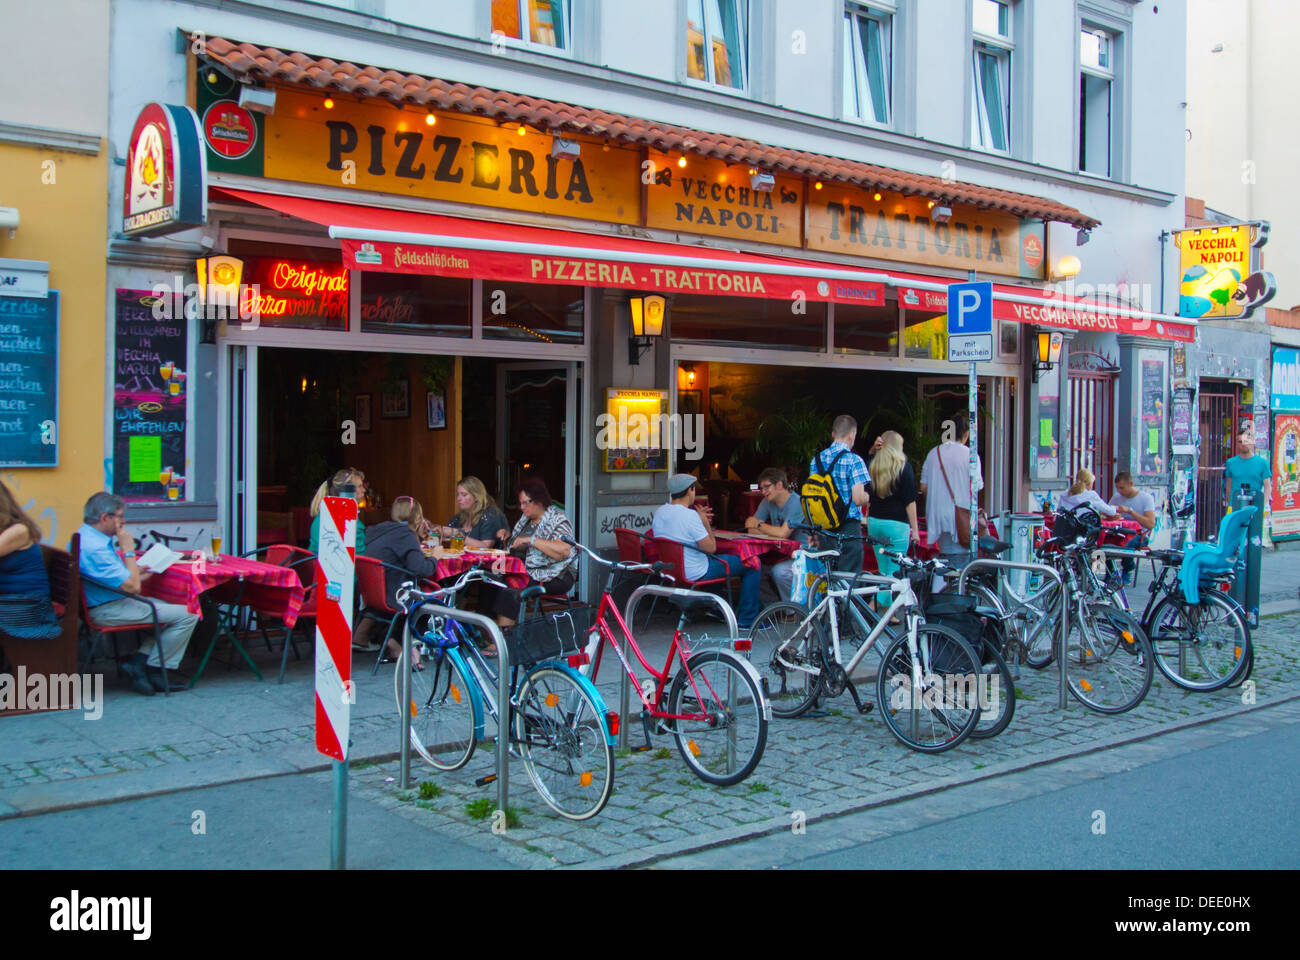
(279, 822)
(1217, 798)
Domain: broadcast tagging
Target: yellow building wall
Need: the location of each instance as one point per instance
(63, 210)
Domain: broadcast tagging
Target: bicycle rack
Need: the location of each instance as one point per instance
(650, 589)
(503, 694)
(1061, 625)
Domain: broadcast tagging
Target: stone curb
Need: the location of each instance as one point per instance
(721, 838)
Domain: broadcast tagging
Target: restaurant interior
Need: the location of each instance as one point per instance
(408, 414)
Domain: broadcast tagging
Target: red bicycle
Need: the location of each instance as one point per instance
(716, 708)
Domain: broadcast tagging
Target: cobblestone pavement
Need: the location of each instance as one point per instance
(816, 767)
(812, 767)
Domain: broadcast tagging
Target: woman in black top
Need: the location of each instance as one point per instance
(477, 516)
(892, 513)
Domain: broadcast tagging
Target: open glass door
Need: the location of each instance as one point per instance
(949, 396)
(537, 414)
(236, 452)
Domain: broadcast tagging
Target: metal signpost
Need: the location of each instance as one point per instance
(335, 572)
(970, 339)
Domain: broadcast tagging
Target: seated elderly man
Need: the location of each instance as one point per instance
(105, 525)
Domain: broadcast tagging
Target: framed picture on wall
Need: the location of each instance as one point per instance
(435, 410)
(362, 412)
(688, 402)
(395, 401)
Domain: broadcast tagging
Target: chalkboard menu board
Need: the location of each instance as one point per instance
(150, 393)
(29, 381)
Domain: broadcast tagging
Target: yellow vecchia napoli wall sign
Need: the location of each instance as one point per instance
(1217, 276)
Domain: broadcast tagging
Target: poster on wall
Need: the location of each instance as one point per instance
(29, 381)
(1150, 439)
(1180, 418)
(1285, 500)
(1045, 427)
(150, 398)
(633, 431)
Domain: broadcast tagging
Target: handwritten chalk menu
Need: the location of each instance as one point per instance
(29, 381)
(150, 392)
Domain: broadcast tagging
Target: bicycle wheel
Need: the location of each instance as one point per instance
(943, 711)
(561, 737)
(1108, 663)
(444, 714)
(1204, 647)
(786, 651)
(725, 748)
(997, 697)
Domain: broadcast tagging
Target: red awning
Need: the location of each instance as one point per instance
(404, 241)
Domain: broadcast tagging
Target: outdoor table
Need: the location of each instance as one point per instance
(750, 547)
(235, 581)
(454, 564)
(749, 500)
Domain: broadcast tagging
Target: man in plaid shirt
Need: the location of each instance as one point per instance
(851, 479)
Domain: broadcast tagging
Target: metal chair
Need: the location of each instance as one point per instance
(303, 563)
(374, 598)
(88, 618)
(674, 554)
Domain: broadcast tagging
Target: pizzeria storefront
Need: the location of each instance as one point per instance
(480, 272)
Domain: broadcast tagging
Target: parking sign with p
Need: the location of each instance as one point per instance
(970, 321)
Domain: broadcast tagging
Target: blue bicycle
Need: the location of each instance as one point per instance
(557, 721)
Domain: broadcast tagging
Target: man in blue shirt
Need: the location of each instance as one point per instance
(105, 525)
(1248, 468)
(851, 479)
(779, 512)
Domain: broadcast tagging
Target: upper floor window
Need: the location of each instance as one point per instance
(543, 22)
(868, 63)
(992, 47)
(716, 41)
(1096, 91)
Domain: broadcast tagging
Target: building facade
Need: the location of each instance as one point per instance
(53, 222)
(447, 209)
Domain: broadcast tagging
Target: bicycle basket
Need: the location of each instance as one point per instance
(551, 635)
(956, 612)
(1082, 521)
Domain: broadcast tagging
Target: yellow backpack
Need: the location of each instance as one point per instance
(821, 501)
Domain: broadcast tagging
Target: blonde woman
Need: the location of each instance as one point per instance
(1081, 494)
(892, 511)
(477, 516)
(347, 482)
(396, 542)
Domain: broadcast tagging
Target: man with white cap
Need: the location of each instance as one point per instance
(682, 521)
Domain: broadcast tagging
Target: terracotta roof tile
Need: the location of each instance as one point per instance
(246, 60)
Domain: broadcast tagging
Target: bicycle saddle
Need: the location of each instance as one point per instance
(527, 593)
(993, 545)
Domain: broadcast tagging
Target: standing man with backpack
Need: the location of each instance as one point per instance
(835, 493)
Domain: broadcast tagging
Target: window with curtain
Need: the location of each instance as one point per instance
(543, 22)
(716, 41)
(991, 75)
(868, 64)
(1096, 85)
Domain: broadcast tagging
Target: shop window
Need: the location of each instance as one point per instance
(1096, 83)
(716, 41)
(991, 80)
(868, 64)
(925, 337)
(408, 303)
(543, 22)
(862, 329)
(1010, 339)
(747, 322)
(532, 312)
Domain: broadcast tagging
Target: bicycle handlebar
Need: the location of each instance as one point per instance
(658, 567)
(409, 590)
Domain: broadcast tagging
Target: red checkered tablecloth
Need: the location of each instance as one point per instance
(516, 574)
(268, 589)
